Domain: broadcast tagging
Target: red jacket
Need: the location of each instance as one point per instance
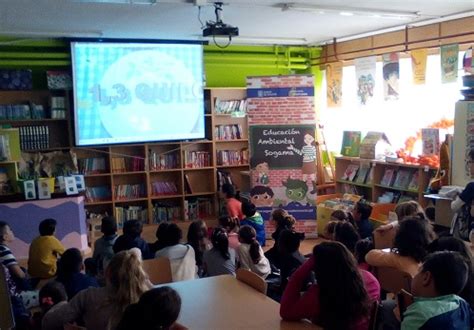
(295, 306)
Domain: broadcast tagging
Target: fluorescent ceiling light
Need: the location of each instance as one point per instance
(128, 2)
(53, 34)
(265, 40)
(351, 11)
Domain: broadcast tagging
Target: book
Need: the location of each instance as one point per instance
(388, 177)
(430, 141)
(370, 176)
(414, 184)
(351, 143)
(187, 185)
(350, 172)
(402, 179)
(362, 174)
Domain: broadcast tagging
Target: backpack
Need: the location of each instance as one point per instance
(463, 223)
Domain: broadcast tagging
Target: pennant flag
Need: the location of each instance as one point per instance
(365, 75)
(391, 76)
(334, 84)
(418, 65)
(449, 63)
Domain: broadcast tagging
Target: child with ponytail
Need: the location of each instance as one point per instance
(126, 281)
(250, 252)
(231, 226)
(220, 260)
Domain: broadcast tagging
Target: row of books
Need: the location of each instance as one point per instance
(393, 197)
(222, 178)
(21, 111)
(197, 159)
(98, 194)
(164, 188)
(128, 164)
(198, 208)
(401, 179)
(358, 174)
(126, 213)
(129, 191)
(163, 161)
(94, 165)
(231, 106)
(228, 132)
(34, 137)
(232, 157)
(164, 212)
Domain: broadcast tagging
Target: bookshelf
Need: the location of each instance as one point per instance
(407, 180)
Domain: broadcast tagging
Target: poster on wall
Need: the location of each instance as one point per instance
(334, 84)
(430, 141)
(449, 63)
(419, 58)
(365, 75)
(391, 76)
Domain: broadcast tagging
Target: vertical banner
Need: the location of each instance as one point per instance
(391, 76)
(282, 130)
(334, 84)
(419, 58)
(365, 75)
(449, 63)
(430, 141)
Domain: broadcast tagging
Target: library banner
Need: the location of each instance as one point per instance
(282, 130)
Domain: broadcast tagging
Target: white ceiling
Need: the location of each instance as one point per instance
(176, 19)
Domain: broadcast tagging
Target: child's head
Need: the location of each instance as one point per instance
(108, 226)
(47, 227)
(412, 238)
(248, 235)
(442, 273)
(409, 209)
(157, 309)
(289, 241)
(362, 210)
(197, 231)
(449, 243)
(228, 223)
(228, 190)
(338, 215)
(220, 242)
(345, 233)
(6, 234)
(174, 234)
(329, 229)
(161, 231)
(248, 209)
(342, 295)
(132, 228)
(50, 294)
(430, 212)
(278, 215)
(361, 249)
(286, 222)
(71, 262)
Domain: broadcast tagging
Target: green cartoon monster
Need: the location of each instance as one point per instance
(295, 191)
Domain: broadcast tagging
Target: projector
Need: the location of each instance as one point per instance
(220, 30)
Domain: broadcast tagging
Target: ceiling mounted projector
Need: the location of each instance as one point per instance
(219, 28)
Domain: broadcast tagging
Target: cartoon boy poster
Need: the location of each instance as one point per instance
(308, 151)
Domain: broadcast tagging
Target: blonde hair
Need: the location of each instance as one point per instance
(409, 209)
(127, 280)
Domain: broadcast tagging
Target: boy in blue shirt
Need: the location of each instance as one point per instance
(435, 289)
(255, 220)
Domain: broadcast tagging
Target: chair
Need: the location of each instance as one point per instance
(384, 240)
(252, 279)
(374, 321)
(404, 299)
(393, 280)
(7, 321)
(69, 326)
(158, 270)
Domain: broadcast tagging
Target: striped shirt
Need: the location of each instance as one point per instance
(309, 153)
(6, 257)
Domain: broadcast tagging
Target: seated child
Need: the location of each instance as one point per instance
(45, 251)
(160, 238)
(51, 297)
(346, 234)
(132, 229)
(231, 226)
(435, 289)
(361, 249)
(233, 205)
(220, 260)
(103, 247)
(181, 256)
(282, 221)
(255, 220)
(361, 214)
(69, 273)
(198, 238)
(250, 253)
(7, 259)
(19, 311)
(157, 309)
(291, 258)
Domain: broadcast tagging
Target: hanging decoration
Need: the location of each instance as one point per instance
(419, 58)
(365, 75)
(449, 63)
(334, 84)
(391, 76)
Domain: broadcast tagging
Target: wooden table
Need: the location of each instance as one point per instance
(223, 302)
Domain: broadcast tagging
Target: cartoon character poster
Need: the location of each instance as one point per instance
(334, 84)
(391, 76)
(365, 75)
(449, 63)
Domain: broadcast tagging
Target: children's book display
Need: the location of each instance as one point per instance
(164, 212)
(351, 143)
(362, 174)
(402, 179)
(350, 172)
(413, 185)
(388, 177)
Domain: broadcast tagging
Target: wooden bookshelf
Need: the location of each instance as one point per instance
(373, 190)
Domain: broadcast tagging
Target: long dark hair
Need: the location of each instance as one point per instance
(412, 238)
(197, 234)
(345, 233)
(220, 242)
(342, 293)
(248, 235)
